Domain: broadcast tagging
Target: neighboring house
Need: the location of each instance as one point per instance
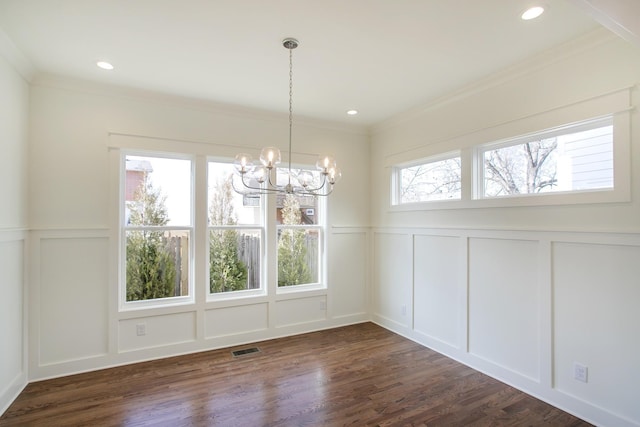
(307, 209)
(135, 173)
(136, 170)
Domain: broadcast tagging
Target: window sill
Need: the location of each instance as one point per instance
(298, 289)
(619, 195)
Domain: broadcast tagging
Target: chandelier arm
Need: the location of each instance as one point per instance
(233, 184)
(313, 193)
(239, 191)
(255, 190)
(321, 186)
(275, 188)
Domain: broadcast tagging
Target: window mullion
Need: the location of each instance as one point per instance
(201, 236)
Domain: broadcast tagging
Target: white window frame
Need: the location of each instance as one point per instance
(480, 150)
(245, 293)
(396, 180)
(321, 228)
(122, 145)
(321, 283)
(262, 290)
(621, 191)
(125, 305)
(469, 147)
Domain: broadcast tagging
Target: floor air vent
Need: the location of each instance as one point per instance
(245, 351)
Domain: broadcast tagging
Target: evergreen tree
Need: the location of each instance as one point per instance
(226, 271)
(151, 269)
(292, 248)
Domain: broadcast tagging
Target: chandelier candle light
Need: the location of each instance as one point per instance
(256, 180)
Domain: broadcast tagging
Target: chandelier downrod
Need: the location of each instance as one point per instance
(270, 157)
(290, 44)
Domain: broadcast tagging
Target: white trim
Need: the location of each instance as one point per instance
(522, 69)
(183, 300)
(479, 152)
(49, 80)
(616, 104)
(214, 150)
(618, 16)
(396, 172)
(612, 102)
(13, 234)
(15, 57)
(579, 126)
(604, 237)
(541, 386)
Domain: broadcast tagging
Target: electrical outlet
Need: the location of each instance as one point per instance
(141, 329)
(580, 372)
(323, 305)
(404, 310)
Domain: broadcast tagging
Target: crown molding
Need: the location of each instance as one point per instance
(104, 89)
(516, 71)
(620, 16)
(16, 58)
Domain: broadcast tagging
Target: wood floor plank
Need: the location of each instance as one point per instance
(357, 375)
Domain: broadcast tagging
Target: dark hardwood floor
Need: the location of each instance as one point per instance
(356, 375)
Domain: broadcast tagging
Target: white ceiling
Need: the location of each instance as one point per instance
(381, 57)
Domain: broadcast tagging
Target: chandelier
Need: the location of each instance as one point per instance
(257, 179)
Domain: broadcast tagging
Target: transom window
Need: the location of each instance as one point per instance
(573, 158)
(434, 178)
(581, 162)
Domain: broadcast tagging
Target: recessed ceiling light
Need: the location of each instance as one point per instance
(532, 13)
(104, 65)
(352, 112)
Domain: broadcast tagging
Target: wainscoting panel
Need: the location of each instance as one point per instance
(159, 331)
(13, 369)
(225, 321)
(437, 288)
(347, 273)
(72, 295)
(524, 307)
(298, 311)
(597, 323)
(75, 324)
(392, 274)
(504, 304)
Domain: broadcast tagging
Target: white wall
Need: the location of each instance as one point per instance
(521, 293)
(13, 222)
(75, 324)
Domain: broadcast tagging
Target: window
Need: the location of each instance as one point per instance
(180, 220)
(300, 233)
(235, 234)
(574, 158)
(585, 161)
(431, 179)
(157, 228)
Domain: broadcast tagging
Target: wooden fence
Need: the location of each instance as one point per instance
(248, 253)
